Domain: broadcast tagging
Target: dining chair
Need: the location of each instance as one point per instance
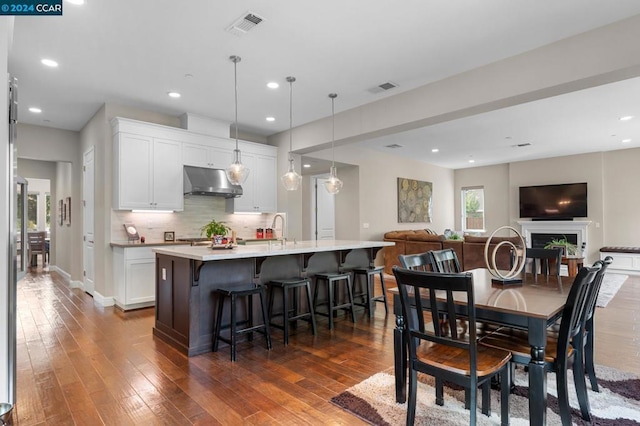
(416, 262)
(589, 325)
(37, 246)
(561, 347)
(455, 358)
(444, 261)
(548, 259)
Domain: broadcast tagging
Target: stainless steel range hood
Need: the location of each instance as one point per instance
(211, 182)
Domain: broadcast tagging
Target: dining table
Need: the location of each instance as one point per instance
(533, 305)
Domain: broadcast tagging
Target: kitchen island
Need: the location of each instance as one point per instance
(187, 277)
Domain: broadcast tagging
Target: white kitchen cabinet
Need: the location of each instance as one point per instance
(134, 277)
(214, 155)
(147, 171)
(259, 191)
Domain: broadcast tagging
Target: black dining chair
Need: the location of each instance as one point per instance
(455, 358)
(548, 259)
(561, 348)
(416, 262)
(444, 261)
(589, 326)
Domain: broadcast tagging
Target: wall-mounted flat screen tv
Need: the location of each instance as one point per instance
(554, 202)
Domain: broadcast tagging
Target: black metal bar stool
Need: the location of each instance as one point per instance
(332, 280)
(291, 313)
(368, 296)
(234, 293)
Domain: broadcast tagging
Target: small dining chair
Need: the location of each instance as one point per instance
(560, 348)
(454, 357)
(444, 261)
(416, 262)
(548, 259)
(589, 325)
(37, 245)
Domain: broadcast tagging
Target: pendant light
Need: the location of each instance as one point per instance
(291, 180)
(237, 173)
(333, 185)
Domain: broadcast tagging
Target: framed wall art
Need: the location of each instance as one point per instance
(67, 211)
(414, 201)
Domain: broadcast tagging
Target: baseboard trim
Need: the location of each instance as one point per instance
(101, 300)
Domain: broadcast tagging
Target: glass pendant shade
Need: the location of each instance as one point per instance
(333, 185)
(237, 173)
(291, 180)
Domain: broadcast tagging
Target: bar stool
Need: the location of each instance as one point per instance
(332, 279)
(368, 296)
(289, 314)
(234, 293)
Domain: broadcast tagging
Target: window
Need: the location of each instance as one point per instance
(473, 209)
(48, 211)
(32, 211)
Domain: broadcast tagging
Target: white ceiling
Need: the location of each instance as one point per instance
(134, 52)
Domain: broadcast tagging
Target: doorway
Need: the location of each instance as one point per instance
(323, 216)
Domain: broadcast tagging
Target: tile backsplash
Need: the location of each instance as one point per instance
(198, 210)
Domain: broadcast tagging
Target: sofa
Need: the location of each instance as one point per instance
(470, 251)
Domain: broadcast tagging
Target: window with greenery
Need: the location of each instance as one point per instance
(473, 209)
(32, 211)
(48, 211)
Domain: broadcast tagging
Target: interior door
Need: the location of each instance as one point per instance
(325, 211)
(88, 244)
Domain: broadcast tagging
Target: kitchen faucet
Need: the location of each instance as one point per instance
(273, 224)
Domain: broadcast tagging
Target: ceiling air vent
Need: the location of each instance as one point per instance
(244, 24)
(383, 87)
(393, 146)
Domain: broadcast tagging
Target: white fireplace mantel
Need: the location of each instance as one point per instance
(577, 227)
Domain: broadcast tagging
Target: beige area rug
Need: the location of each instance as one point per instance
(373, 400)
(611, 283)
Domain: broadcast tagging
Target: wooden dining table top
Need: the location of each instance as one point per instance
(543, 296)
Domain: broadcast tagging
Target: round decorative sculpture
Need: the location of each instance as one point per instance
(519, 258)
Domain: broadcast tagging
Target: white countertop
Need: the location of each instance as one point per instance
(205, 253)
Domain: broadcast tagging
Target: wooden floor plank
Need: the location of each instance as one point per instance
(82, 365)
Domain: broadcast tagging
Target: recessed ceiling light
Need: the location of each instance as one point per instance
(174, 94)
(78, 2)
(35, 110)
(49, 62)
(472, 161)
(271, 119)
(435, 150)
(626, 140)
(306, 166)
(626, 118)
(273, 85)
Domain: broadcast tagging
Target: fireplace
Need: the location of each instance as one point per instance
(539, 233)
(540, 240)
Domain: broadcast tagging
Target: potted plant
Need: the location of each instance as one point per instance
(215, 231)
(570, 248)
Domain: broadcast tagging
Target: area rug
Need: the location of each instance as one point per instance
(373, 400)
(611, 283)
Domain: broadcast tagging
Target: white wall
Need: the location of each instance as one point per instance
(621, 199)
(369, 195)
(612, 204)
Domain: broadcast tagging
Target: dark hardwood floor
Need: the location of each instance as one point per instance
(84, 365)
